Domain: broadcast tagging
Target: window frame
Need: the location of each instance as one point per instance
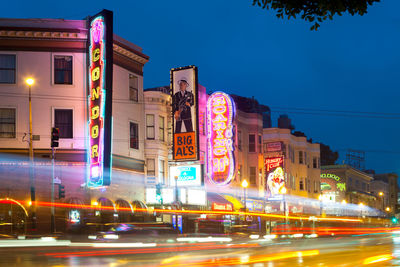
(54, 120)
(15, 122)
(301, 157)
(150, 127)
(255, 175)
(147, 167)
(161, 162)
(130, 136)
(15, 68)
(131, 88)
(255, 143)
(161, 130)
(53, 70)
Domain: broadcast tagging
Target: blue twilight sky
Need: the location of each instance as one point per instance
(351, 63)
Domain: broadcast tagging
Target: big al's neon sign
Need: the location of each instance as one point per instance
(99, 124)
(220, 157)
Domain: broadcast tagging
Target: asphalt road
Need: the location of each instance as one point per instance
(373, 250)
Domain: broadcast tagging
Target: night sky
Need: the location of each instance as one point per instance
(350, 64)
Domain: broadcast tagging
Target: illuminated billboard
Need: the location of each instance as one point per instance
(185, 113)
(220, 139)
(188, 175)
(275, 176)
(100, 70)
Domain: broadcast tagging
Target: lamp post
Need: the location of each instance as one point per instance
(30, 82)
(244, 184)
(382, 199)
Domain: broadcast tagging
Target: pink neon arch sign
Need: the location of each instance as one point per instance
(220, 142)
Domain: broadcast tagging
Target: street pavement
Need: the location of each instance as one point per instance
(372, 250)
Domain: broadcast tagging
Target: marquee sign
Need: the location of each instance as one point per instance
(220, 142)
(100, 98)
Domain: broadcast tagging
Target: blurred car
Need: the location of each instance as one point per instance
(136, 232)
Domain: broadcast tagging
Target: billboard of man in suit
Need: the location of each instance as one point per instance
(183, 100)
(184, 113)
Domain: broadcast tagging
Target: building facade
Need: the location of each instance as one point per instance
(54, 53)
(301, 160)
(343, 183)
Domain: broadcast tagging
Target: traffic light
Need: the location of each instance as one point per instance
(158, 194)
(61, 191)
(394, 220)
(55, 135)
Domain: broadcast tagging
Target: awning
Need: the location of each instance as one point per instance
(216, 198)
(237, 204)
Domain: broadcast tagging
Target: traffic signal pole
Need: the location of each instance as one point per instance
(55, 135)
(53, 223)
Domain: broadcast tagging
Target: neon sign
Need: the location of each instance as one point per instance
(100, 90)
(275, 176)
(220, 157)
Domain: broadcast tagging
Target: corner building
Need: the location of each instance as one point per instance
(54, 53)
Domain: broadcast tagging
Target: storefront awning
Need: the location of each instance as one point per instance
(237, 204)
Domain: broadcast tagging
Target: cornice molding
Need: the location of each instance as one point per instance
(43, 34)
(129, 54)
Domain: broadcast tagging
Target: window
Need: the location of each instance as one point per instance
(133, 135)
(301, 160)
(151, 171)
(133, 88)
(161, 131)
(64, 122)
(63, 69)
(253, 175)
(301, 184)
(7, 68)
(150, 126)
(293, 182)
(7, 123)
(252, 143)
(239, 140)
(161, 171)
(259, 144)
(315, 162)
(316, 186)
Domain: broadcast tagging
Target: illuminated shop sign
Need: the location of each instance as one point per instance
(275, 176)
(254, 205)
(74, 216)
(274, 147)
(330, 175)
(221, 207)
(220, 142)
(331, 183)
(100, 99)
(188, 175)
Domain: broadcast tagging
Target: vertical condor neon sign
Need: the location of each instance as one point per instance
(100, 99)
(220, 139)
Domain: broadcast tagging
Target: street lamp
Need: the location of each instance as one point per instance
(244, 184)
(382, 199)
(387, 209)
(30, 82)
